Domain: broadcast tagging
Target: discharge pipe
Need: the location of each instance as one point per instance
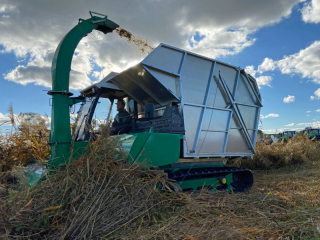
(60, 135)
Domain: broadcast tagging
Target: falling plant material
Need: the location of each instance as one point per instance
(141, 43)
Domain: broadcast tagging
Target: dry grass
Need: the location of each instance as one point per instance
(27, 141)
(101, 196)
(297, 151)
(97, 196)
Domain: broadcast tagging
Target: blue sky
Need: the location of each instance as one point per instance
(278, 42)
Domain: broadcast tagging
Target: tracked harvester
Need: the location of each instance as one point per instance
(188, 114)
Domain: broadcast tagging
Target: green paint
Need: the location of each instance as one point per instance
(195, 184)
(79, 149)
(229, 179)
(60, 136)
(153, 149)
(73, 101)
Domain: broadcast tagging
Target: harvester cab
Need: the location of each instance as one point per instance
(189, 114)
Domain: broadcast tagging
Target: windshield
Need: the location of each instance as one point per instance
(82, 119)
(315, 132)
(103, 113)
(94, 113)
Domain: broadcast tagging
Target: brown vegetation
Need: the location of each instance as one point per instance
(298, 150)
(27, 141)
(102, 196)
(141, 43)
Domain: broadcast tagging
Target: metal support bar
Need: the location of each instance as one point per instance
(227, 133)
(110, 109)
(160, 69)
(254, 91)
(246, 104)
(182, 63)
(244, 128)
(185, 145)
(237, 112)
(256, 128)
(64, 92)
(209, 107)
(214, 131)
(236, 84)
(204, 108)
(98, 21)
(255, 83)
(100, 14)
(231, 113)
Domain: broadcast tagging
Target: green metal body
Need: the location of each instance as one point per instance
(161, 150)
(60, 135)
(152, 149)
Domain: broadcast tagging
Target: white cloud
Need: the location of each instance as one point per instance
(264, 81)
(250, 70)
(311, 12)
(274, 115)
(227, 28)
(308, 124)
(4, 118)
(290, 125)
(7, 8)
(267, 65)
(318, 110)
(308, 111)
(316, 95)
(261, 80)
(289, 99)
(304, 63)
(279, 130)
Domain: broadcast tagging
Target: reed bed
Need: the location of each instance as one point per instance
(101, 196)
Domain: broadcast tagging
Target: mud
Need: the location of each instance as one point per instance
(141, 43)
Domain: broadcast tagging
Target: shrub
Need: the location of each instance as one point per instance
(27, 141)
(298, 150)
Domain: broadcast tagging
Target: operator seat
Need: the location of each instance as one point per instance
(149, 110)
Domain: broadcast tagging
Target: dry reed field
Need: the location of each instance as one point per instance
(101, 196)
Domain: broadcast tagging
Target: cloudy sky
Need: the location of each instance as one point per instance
(277, 41)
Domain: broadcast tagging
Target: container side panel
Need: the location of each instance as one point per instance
(192, 117)
(251, 134)
(234, 122)
(215, 120)
(248, 115)
(244, 92)
(195, 77)
(217, 97)
(210, 143)
(237, 141)
(229, 74)
(167, 80)
(165, 58)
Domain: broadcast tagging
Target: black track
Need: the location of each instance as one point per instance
(242, 177)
